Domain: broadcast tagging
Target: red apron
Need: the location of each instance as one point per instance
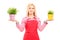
(31, 30)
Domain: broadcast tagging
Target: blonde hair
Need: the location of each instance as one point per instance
(31, 4)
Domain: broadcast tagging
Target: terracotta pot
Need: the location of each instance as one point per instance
(50, 17)
(12, 17)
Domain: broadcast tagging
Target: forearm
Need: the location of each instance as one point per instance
(20, 26)
(41, 27)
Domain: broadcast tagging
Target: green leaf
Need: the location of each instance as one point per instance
(12, 11)
(50, 12)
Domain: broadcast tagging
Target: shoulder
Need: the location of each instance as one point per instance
(24, 19)
(37, 18)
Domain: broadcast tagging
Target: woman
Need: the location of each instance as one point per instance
(31, 23)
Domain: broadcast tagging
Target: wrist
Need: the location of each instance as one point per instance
(17, 22)
(45, 22)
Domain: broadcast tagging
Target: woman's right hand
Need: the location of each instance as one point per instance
(14, 21)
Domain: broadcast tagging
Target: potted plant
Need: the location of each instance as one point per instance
(12, 12)
(50, 15)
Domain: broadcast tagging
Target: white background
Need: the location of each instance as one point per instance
(8, 30)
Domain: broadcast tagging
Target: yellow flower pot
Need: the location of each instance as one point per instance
(50, 17)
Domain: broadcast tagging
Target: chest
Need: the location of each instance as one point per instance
(31, 23)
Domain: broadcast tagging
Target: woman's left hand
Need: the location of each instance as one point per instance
(46, 21)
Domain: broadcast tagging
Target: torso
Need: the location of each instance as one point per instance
(31, 29)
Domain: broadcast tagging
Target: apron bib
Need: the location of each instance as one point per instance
(31, 30)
